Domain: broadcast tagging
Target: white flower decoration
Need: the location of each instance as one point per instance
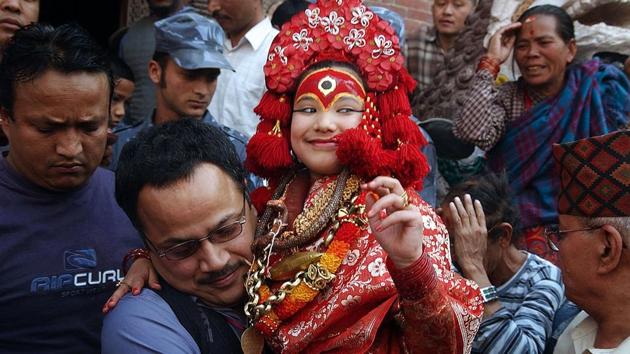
(350, 300)
(361, 15)
(302, 40)
(313, 17)
(383, 47)
(339, 2)
(377, 268)
(278, 50)
(355, 38)
(351, 258)
(332, 22)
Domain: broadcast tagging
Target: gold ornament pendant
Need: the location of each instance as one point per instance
(252, 342)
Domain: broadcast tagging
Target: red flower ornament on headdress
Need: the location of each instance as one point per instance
(386, 141)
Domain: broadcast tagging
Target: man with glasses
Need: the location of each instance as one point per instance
(592, 241)
(183, 187)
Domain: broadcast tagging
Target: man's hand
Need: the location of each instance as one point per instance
(469, 234)
(396, 225)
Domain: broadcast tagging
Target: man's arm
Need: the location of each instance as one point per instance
(145, 324)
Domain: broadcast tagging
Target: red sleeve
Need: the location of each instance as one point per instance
(441, 311)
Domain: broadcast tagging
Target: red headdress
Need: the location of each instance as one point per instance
(386, 142)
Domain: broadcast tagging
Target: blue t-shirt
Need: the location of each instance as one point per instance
(61, 254)
(145, 324)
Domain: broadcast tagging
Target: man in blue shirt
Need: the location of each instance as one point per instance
(183, 187)
(185, 67)
(63, 235)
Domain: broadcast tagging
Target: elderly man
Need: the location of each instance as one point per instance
(594, 235)
(13, 15)
(184, 70)
(248, 39)
(182, 185)
(63, 235)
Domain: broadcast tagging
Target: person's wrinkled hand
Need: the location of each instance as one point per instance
(468, 230)
(396, 224)
(140, 273)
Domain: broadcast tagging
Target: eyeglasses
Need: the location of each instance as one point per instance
(554, 232)
(188, 248)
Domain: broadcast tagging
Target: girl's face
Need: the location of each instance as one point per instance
(327, 102)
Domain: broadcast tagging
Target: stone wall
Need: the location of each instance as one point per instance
(415, 12)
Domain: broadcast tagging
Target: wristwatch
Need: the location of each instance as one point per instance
(489, 293)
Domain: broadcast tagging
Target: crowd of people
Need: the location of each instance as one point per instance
(245, 183)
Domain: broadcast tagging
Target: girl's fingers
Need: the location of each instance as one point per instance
(384, 185)
(116, 296)
(390, 202)
(406, 218)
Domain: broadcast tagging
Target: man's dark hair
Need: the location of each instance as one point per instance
(287, 10)
(168, 153)
(162, 58)
(120, 70)
(564, 23)
(493, 191)
(37, 48)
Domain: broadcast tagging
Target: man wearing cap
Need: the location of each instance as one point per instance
(593, 239)
(184, 69)
(248, 37)
(135, 46)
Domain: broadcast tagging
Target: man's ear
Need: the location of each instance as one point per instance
(505, 239)
(155, 72)
(4, 121)
(610, 249)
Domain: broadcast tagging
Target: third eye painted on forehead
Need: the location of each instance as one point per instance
(328, 86)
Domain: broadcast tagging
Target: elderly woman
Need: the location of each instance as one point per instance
(553, 101)
(523, 291)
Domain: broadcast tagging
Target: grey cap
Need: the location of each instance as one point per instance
(192, 40)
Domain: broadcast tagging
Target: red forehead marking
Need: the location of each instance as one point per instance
(328, 85)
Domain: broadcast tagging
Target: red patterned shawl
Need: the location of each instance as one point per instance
(368, 308)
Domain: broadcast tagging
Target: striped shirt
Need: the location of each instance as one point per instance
(530, 300)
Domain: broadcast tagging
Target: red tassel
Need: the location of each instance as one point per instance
(401, 129)
(260, 197)
(274, 107)
(268, 151)
(407, 81)
(393, 102)
(411, 166)
(363, 154)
